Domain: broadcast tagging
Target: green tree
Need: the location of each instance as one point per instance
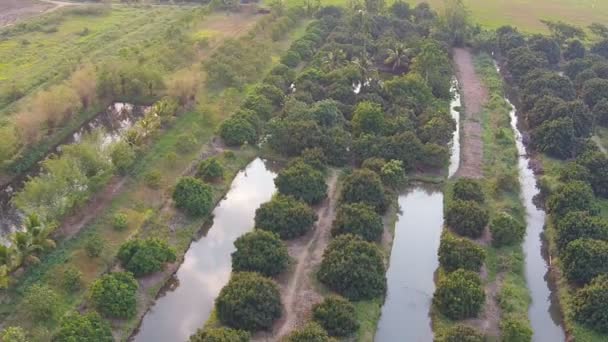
(336, 315)
(311, 332)
(303, 182)
(584, 259)
(120, 221)
(220, 335)
(459, 295)
(71, 280)
(249, 301)
(145, 256)
(590, 304)
(89, 327)
(210, 169)
(115, 295)
(354, 268)
(397, 58)
(41, 303)
(594, 91)
(506, 230)
(366, 187)
(461, 333)
(13, 334)
(596, 162)
(573, 196)
(467, 189)
(547, 46)
(455, 253)
(393, 174)
(466, 218)
(236, 131)
(515, 330)
(368, 118)
(555, 137)
(285, 216)
(455, 22)
(433, 64)
(359, 219)
(574, 49)
(123, 156)
(193, 196)
(260, 251)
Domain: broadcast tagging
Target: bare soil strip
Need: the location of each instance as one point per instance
(298, 291)
(474, 95)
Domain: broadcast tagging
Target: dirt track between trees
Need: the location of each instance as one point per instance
(298, 291)
(474, 95)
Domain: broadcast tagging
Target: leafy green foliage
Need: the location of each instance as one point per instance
(591, 304)
(260, 251)
(71, 280)
(193, 196)
(120, 221)
(302, 182)
(506, 230)
(455, 253)
(366, 187)
(580, 225)
(312, 332)
(573, 196)
(585, 259)
(393, 174)
(466, 218)
(555, 137)
(459, 295)
(515, 330)
(211, 169)
(461, 333)
(354, 268)
(249, 301)
(89, 327)
(336, 315)
(220, 335)
(123, 156)
(285, 216)
(41, 303)
(359, 219)
(237, 130)
(142, 257)
(94, 246)
(467, 189)
(368, 118)
(115, 295)
(13, 334)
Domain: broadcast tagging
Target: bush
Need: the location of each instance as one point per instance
(312, 332)
(573, 196)
(506, 230)
(249, 301)
(193, 196)
(466, 218)
(260, 251)
(336, 315)
(210, 169)
(591, 304)
(94, 246)
(461, 333)
(285, 216)
(466, 189)
(220, 335)
(153, 179)
(459, 295)
(455, 253)
(115, 295)
(364, 186)
(358, 219)
(393, 174)
(580, 225)
(41, 303)
(515, 330)
(584, 259)
(302, 182)
(120, 221)
(87, 327)
(236, 131)
(13, 334)
(354, 268)
(71, 279)
(142, 257)
(186, 143)
(123, 156)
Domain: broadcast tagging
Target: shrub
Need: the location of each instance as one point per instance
(153, 178)
(358, 219)
(193, 196)
(94, 246)
(87, 327)
(459, 295)
(573, 196)
(249, 301)
(584, 259)
(591, 304)
(71, 279)
(220, 335)
(115, 295)
(41, 303)
(123, 156)
(466, 218)
(364, 186)
(393, 174)
(120, 221)
(13, 334)
(354, 268)
(466, 189)
(580, 225)
(186, 143)
(311, 332)
(302, 182)
(236, 131)
(210, 169)
(285, 216)
(142, 257)
(461, 333)
(336, 315)
(455, 253)
(506, 230)
(515, 330)
(260, 251)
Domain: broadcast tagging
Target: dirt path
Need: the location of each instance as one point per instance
(298, 292)
(13, 11)
(473, 96)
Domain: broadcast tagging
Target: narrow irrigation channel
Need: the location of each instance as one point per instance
(410, 275)
(186, 305)
(544, 313)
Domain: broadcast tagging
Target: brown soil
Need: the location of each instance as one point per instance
(489, 319)
(298, 291)
(13, 11)
(474, 95)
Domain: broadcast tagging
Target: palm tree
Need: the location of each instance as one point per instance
(398, 57)
(33, 240)
(333, 59)
(366, 67)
